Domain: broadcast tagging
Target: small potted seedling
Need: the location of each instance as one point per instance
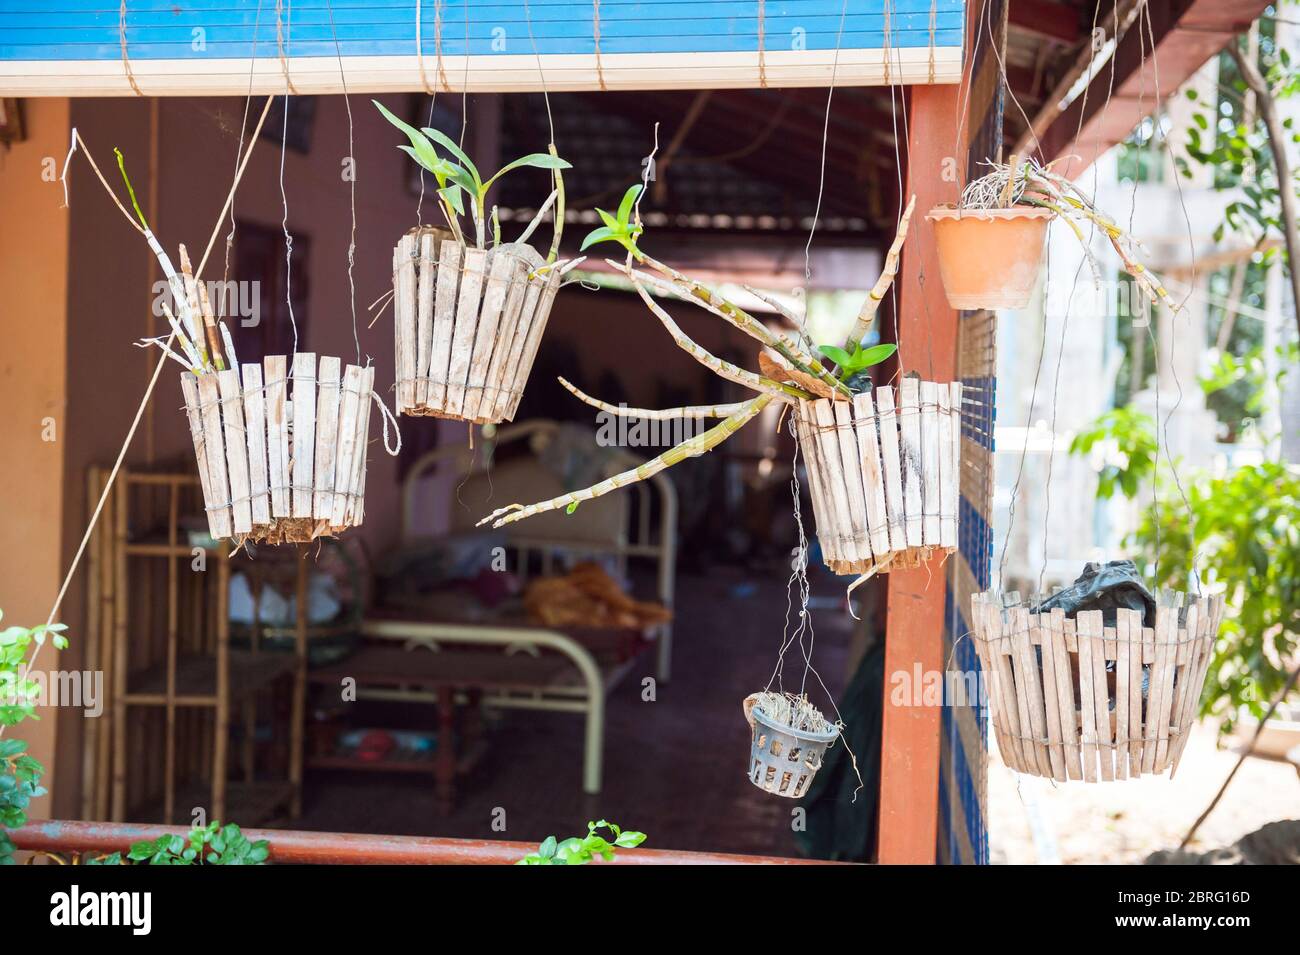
(590, 848)
(882, 459)
(280, 444)
(990, 245)
(469, 308)
(789, 737)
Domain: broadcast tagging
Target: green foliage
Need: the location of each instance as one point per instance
(453, 178)
(851, 364)
(580, 851)
(1235, 146)
(1129, 439)
(1247, 544)
(619, 227)
(213, 844)
(1247, 539)
(20, 774)
(1248, 374)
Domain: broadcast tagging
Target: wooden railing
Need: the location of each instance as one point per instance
(71, 841)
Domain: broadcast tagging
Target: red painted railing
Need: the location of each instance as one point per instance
(344, 848)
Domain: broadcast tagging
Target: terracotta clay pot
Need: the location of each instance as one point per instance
(989, 258)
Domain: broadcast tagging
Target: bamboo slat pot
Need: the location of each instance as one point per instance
(282, 457)
(884, 473)
(989, 258)
(467, 325)
(1075, 698)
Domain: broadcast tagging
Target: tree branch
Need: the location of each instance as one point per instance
(1277, 145)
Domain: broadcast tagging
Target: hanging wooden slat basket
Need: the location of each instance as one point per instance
(883, 471)
(1075, 698)
(282, 458)
(467, 325)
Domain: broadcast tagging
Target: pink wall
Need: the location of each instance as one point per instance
(33, 326)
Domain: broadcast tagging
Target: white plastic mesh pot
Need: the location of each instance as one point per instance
(783, 760)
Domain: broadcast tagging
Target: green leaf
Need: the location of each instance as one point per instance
(837, 355)
(548, 847)
(629, 201)
(571, 508)
(453, 147)
(629, 839)
(535, 160)
(453, 195)
(421, 149)
(604, 234)
(874, 355)
(610, 221)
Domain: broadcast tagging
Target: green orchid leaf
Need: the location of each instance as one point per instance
(610, 221)
(837, 355)
(449, 144)
(453, 195)
(465, 180)
(873, 355)
(535, 160)
(598, 235)
(629, 202)
(421, 149)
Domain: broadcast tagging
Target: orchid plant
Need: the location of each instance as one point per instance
(791, 367)
(461, 180)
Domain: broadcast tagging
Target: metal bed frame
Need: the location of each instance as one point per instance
(587, 693)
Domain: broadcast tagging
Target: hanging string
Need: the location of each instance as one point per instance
(281, 34)
(284, 224)
(934, 19)
(965, 88)
(826, 125)
(153, 382)
(798, 582)
(1074, 286)
(898, 163)
(437, 44)
(352, 198)
(126, 60)
(595, 32)
(243, 127)
(541, 75)
(464, 85)
(1042, 349)
(419, 50)
(1173, 368)
(762, 43)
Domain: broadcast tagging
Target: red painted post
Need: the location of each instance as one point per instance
(927, 334)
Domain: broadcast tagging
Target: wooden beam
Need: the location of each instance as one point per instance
(1057, 22)
(927, 333)
(1186, 33)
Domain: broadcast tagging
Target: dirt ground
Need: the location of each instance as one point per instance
(1033, 821)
